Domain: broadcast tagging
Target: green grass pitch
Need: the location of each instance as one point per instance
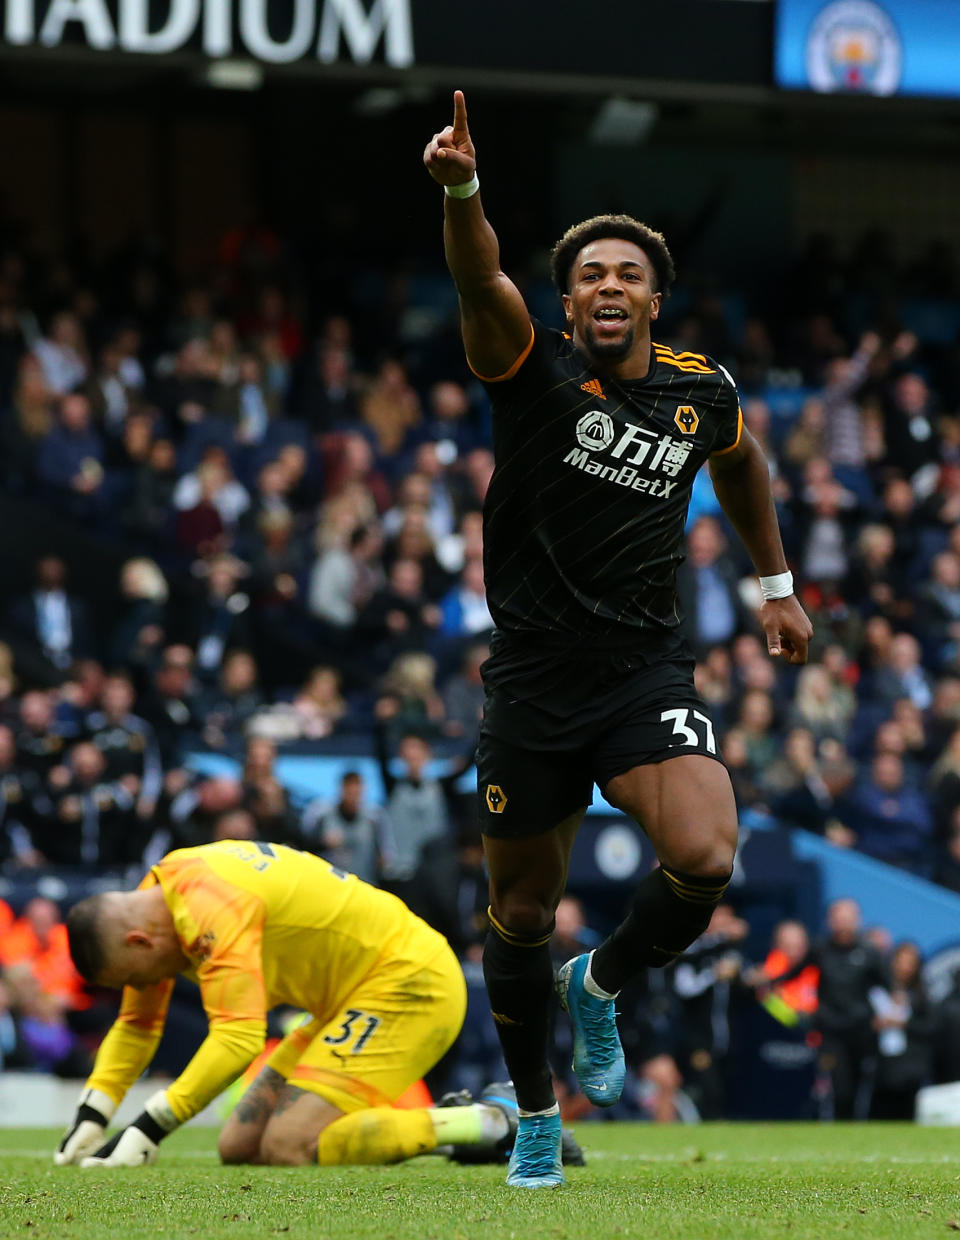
(714, 1182)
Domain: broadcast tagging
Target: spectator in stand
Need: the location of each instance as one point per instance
(906, 1024)
(70, 460)
(141, 628)
(807, 438)
(171, 705)
(92, 823)
(150, 510)
(349, 463)
(38, 939)
(265, 797)
(462, 695)
(849, 969)
(277, 565)
(245, 403)
(707, 587)
(465, 544)
(345, 577)
(909, 428)
(944, 782)
(26, 425)
(51, 624)
(213, 480)
(713, 678)
(14, 1052)
(419, 856)
(414, 541)
(447, 422)
(39, 741)
(327, 397)
(873, 585)
(821, 705)
(399, 617)
(702, 979)
(939, 609)
(409, 701)
(890, 819)
(571, 933)
(227, 707)
(110, 397)
(349, 833)
(464, 608)
(23, 801)
(477, 471)
(756, 722)
(128, 743)
(948, 867)
(795, 1000)
(904, 675)
(220, 620)
(843, 422)
(270, 498)
(235, 824)
(743, 776)
(825, 520)
(63, 354)
(794, 785)
(390, 407)
(320, 704)
(196, 805)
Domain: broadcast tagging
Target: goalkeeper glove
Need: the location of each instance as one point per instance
(138, 1144)
(94, 1112)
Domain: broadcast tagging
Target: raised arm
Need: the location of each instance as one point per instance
(741, 481)
(494, 320)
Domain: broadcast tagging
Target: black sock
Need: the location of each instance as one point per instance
(670, 910)
(519, 975)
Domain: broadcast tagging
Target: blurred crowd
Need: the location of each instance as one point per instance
(843, 1024)
(289, 475)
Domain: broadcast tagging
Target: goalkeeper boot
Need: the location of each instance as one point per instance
(536, 1161)
(597, 1054)
(503, 1097)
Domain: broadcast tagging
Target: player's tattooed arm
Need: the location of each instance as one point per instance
(259, 1102)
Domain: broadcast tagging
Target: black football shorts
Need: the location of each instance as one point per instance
(540, 755)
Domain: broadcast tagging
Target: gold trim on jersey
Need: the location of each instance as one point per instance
(507, 374)
(736, 442)
(691, 363)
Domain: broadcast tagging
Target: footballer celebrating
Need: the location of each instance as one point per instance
(256, 925)
(598, 434)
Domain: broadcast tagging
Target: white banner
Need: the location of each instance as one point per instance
(326, 30)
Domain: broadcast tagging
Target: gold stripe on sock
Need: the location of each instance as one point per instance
(705, 894)
(516, 940)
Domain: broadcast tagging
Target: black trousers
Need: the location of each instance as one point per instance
(850, 1059)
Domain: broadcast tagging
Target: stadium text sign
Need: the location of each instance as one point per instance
(220, 27)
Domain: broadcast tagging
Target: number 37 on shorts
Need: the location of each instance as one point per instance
(690, 728)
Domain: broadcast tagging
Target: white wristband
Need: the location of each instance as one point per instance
(466, 190)
(780, 585)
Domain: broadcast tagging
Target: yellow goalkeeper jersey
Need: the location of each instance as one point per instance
(262, 925)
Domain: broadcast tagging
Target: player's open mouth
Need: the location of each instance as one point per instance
(610, 318)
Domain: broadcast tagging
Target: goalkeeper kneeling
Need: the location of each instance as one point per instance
(256, 925)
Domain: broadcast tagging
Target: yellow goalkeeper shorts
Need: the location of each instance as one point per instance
(392, 1029)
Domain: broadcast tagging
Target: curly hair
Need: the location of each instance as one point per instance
(624, 227)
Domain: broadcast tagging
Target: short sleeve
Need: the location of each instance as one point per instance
(730, 426)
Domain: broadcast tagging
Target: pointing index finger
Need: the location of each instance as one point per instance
(459, 112)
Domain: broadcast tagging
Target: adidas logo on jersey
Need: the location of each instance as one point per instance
(594, 387)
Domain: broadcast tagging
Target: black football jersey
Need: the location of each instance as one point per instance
(584, 517)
